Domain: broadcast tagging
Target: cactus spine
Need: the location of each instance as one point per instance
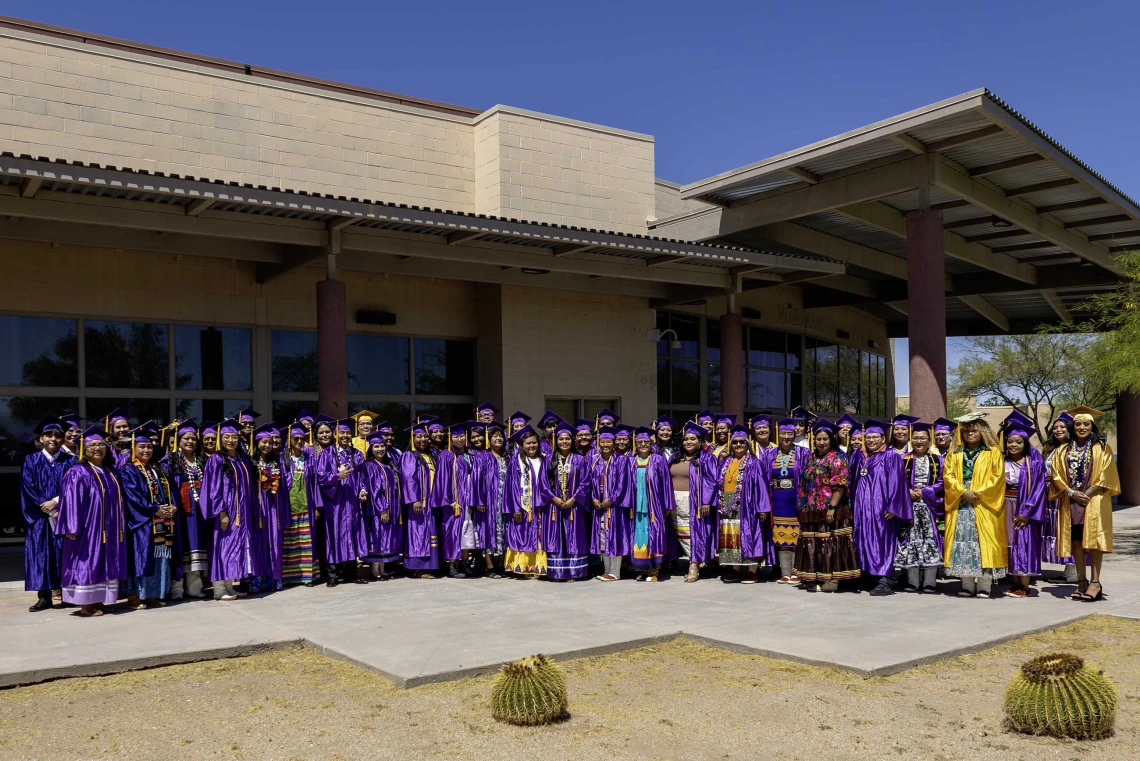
(1058, 695)
(530, 692)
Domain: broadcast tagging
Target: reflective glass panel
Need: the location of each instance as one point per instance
(126, 354)
(686, 383)
(38, 351)
(444, 366)
(294, 360)
(212, 359)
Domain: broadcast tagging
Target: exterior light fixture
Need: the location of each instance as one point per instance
(533, 271)
(653, 335)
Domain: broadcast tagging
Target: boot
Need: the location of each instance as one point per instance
(43, 603)
(929, 580)
(883, 588)
(454, 572)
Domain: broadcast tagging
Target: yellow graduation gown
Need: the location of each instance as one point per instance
(988, 483)
(360, 444)
(1098, 512)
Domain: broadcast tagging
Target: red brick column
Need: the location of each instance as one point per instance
(332, 350)
(926, 297)
(731, 365)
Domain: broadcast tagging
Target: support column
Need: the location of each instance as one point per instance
(332, 345)
(732, 362)
(926, 294)
(1128, 456)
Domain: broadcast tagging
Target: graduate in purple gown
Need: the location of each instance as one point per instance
(300, 562)
(753, 506)
(491, 478)
(611, 498)
(567, 525)
(546, 425)
(526, 500)
(880, 503)
(696, 517)
(186, 466)
(92, 525)
(380, 502)
(273, 484)
(784, 467)
(920, 543)
(40, 478)
(337, 477)
(664, 428)
(418, 469)
(118, 429)
(150, 508)
(229, 500)
(652, 509)
(455, 496)
(1026, 491)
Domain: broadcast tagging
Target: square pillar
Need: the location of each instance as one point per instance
(926, 296)
(332, 349)
(1128, 458)
(732, 364)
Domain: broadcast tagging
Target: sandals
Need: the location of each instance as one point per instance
(607, 577)
(1082, 588)
(1091, 597)
(784, 580)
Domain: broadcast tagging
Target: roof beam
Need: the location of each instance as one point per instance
(1114, 236)
(972, 222)
(460, 236)
(1023, 247)
(1054, 300)
(947, 205)
(893, 221)
(1040, 186)
(1120, 249)
(657, 261)
(995, 236)
(987, 310)
(803, 174)
(1082, 204)
(964, 139)
(1032, 158)
(1110, 219)
(199, 205)
(815, 242)
(571, 248)
(343, 222)
(31, 186)
(292, 258)
(908, 142)
(953, 178)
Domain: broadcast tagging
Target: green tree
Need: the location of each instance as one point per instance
(1116, 316)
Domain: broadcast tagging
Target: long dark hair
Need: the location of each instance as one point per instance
(1052, 444)
(832, 446)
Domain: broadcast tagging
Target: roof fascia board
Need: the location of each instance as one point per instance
(591, 126)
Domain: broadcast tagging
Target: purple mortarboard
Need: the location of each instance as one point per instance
(664, 420)
(208, 426)
(304, 415)
(264, 431)
(548, 417)
(487, 407)
(581, 425)
(761, 420)
(702, 416)
(564, 427)
(425, 418)
(229, 425)
(375, 438)
(942, 424)
(846, 419)
(384, 427)
(722, 417)
(145, 433)
(857, 428)
(876, 426)
(522, 433)
(623, 430)
(788, 423)
(518, 416)
(608, 414)
(607, 433)
(1018, 424)
(1065, 416)
(458, 429)
(904, 420)
(802, 414)
(110, 418)
(71, 420)
(417, 427)
(475, 425)
(94, 433)
(696, 429)
(322, 418)
(185, 427)
(346, 424)
(739, 432)
(823, 424)
(643, 433)
(921, 426)
(249, 413)
(435, 425)
(298, 430)
(49, 422)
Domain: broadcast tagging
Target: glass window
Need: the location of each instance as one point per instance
(399, 415)
(766, 348)
(126, 354)
(714, 384)
(712, 340)
(445, 367)
(378, 365)
(591, 408)
(662, 381)
(138, 410)
(294, 360)
(766, 389)
(868, 362)
(36, 351)
(686, 383)
(848, 397)
(795, 390)
(18, 415)
(567, 409)
(882, 376)
(287, 411)
(217, 410)
(212, 359)
(688, 330)
(792, 351)
(446, 412)
(849, 364)
(826, 358)
(809, 355)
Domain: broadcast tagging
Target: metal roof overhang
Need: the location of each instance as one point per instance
(280, 230)
(1030, 230)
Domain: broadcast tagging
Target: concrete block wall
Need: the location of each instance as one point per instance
(668, 201)
(574, 344)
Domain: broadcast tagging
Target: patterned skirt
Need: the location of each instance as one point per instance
(728, 551)
(681, 522)
(785, 523)
(919, 546)
(825, 551)
(966, 548)
(560, 565)
(297, 562)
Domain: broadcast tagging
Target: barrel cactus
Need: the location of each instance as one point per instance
(1058, 695)
(530, 692)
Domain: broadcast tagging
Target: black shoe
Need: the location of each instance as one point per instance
(332, 583)
(453, 571)
(41, 604)
(882, 589)
(359, 581)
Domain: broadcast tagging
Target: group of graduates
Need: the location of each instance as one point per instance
(150, 514)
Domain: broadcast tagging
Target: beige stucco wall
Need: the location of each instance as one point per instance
(668, 201)
(564, 343)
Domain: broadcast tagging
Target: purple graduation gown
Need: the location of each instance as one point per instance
(755, 534)
(385, 537)
(454, 495)
(882, 488)
(1032, 491)
(40, 481)
(274, 508)
(345, 539)
(703, 472)
(140, 510)
(91, 507)
(659, 489)
(194, 532)
(485, 475)
(566, 531)
(422, 534)
(613, 528)
(523, 535)
(229, 486)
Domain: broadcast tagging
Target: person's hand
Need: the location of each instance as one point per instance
(597, 504)
(49, 506)
(970, 497)
(916, 493)
(1080, 497)
(481, 508)
(607, 504)
(316, 513)
(704, 511)
(518, 517)
(763, 517)
(830, 514)
(385, 516)
(418, 507)
(224, 521)
(72, 536)
(1020, 521)
(363, 495)
(887, 515)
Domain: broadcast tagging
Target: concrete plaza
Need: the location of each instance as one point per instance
(417, 631)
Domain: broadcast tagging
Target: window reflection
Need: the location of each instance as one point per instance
(294, 360)
(378, 365)
(212, 359)
(445, 366)
(18, 415)
(138, 410)
(217, 410)
(36, 351)
(125, 354)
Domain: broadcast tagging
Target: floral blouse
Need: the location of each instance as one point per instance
(821, 477)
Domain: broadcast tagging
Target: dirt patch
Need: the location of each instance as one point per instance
(677, 700)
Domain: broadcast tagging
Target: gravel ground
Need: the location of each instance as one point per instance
(678, 700)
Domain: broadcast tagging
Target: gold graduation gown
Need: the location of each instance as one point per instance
(988, 483)
(1098, 512)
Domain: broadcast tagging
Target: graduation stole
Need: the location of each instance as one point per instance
(562, 466)
(245, 473)
(103, 502)
(738, 481)
(192, 486)
(648, 492)
(159, 488)
(527, 478)
(935, 468)
(427, 477)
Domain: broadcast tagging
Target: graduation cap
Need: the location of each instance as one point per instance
(904, 420)
(518, 416)
(208, 426)
(185, 427)
(873, 425)
(145, 433)
(788, 423)
(695, 429)
(1084, 414)
(112, 416)
(846, 419)
(487, 407)
(547, 418)
(582, 425)
(458, 429)
(1017, 423)
(607, 433)
(608, 414)
(298, 431)
(248, 414)
(522, 433)
(623, 430)
(1065, 417)
(417, 427)
(803, 414)
(758, 420)
(425, 418)
(91, 434)
(563, 427)
(970, 417)
(346, 424)
(49, 422)
(304, 416)
(376, 438)
(476, 425)
(265, 431)
(321, 417)
(739, 432)
(726, 418)
(384, 427)
(357, 418)
(702, 416)
(643, 434)
(71, 420)
(942, 424)
(920, 427)
(664, 420)
(229, 425)
(435, 425)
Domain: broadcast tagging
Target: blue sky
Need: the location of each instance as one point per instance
(718, 84)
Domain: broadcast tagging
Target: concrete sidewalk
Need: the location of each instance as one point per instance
(415, 631)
